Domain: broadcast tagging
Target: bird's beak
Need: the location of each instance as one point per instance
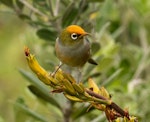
(84, 34)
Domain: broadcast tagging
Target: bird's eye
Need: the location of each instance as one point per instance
(74, 36)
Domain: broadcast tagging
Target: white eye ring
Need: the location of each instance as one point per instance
(74, 36)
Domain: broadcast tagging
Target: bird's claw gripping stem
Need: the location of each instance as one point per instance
(55, 71)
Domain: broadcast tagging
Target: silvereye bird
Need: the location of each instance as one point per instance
(72, 47)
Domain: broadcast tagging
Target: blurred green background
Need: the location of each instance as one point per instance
(14, 35)
(121, 46)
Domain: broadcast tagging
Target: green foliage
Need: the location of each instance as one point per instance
(43, 91)
(22, 109)
(120, 44)
(46, 34)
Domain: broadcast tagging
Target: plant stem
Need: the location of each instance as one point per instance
(67, 111)
(56, 8)
(111, 105)
(51, 8)
(32, 8)
(146, 51)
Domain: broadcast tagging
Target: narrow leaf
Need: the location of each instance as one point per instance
(47, 34)
(39, 93)
(19, 4)
(81, 111)
(23, 107)
(8, 3)
(95, 46)
(110, 79)
(69, 15)
(24, 17)
(39, 85)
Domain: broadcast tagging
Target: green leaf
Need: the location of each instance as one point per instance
(40, 86)
(81, 111)
(47, 34)
(39, 93)
(113, 76)
(69, 15)
(105, 63)
(8, 3)
(83, 5)
(19, 4)
(24, 17)
(38, 23)
(22, 108)
(95, 46)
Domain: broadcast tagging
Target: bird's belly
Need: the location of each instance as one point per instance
(75, 57)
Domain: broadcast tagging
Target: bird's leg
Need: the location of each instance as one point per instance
(78, 75)
(55, 71)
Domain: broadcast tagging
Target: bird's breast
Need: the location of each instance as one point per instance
(75, 56)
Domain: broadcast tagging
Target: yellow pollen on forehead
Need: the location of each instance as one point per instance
(75, 29)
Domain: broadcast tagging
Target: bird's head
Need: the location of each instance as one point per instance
(72, 35)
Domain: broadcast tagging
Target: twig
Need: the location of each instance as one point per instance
(67, 111)
(32, 8)
(50, 8)
(112, 104)
(119, 110)
(56, 8)
(146, 51)
(90, 92)
(80, 10)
